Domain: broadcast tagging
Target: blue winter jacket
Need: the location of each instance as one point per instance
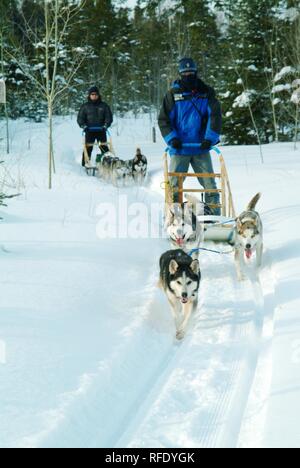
(191, 117)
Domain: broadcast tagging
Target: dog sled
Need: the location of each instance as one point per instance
(216, 228)
(112, 169)
(90, 169)
(123, 173)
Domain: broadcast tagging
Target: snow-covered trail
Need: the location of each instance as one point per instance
(91, 355)
(190, 394)
(201, 397)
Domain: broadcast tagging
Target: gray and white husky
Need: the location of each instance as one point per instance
(180, 278)
(248, 237)
(120, 173)
(182, 225)
(105, 166)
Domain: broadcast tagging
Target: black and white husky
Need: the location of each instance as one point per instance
(139, 167)
(248, 237)
(180, 278)
(182, 225)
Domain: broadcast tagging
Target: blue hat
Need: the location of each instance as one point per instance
(187, 65)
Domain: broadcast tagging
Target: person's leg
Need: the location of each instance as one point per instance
(90, 138)
(102, 138)
(178, 164)
(203, 164)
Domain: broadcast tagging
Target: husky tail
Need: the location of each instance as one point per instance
(253, 203)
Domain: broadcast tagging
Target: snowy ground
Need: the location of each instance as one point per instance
(87, 350)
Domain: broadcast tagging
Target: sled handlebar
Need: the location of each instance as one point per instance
(196, 146)
(96, 129)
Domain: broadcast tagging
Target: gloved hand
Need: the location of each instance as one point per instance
(206, 145)
(176, 143)
(85, 128)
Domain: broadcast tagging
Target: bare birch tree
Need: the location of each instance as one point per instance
(2, 77)
(51, 80)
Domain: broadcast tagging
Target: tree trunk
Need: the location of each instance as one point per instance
(7, 130)
(275, 121)
(296, 126)
(50, 145)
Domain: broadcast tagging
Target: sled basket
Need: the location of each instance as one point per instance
(217, 228)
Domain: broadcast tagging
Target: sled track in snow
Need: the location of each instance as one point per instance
(221, 427)
(230, 410)
(161, 393)
(256, 407)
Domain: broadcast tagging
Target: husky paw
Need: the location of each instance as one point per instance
(180, 335)
(242, 278)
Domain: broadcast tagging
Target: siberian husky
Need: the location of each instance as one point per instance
(139, 167)
(121, 173)
(182, 226)
(180, 278)
(104, 167)
(248, 237)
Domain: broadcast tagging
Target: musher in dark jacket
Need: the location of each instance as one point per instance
(95, 117)
(191, 113)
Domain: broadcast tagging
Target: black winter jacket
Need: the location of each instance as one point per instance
(95, 114)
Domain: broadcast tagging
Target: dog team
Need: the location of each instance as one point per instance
(123, 173)
(190, 122)
(180, 273)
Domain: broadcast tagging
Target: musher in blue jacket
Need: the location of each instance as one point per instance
(191, 113)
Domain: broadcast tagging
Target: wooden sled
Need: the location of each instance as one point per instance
(217, 228)
(92, 170)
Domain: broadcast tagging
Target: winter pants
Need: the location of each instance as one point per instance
(201, 164)
(90, 138)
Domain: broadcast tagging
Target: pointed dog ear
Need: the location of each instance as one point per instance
(238, 223)
(195, 267)
(169, 215)
(173, 267)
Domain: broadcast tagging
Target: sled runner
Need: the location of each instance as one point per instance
(90, 169)
(217, 228)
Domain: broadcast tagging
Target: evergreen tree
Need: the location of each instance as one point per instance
(241, 47)
(254, 48)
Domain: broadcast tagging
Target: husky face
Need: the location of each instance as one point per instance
(181, 225)
(183, 285)
(180, 232)
(180, 278)
(119, 166)
(107, 160)
(139, 165)
(248, 236)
